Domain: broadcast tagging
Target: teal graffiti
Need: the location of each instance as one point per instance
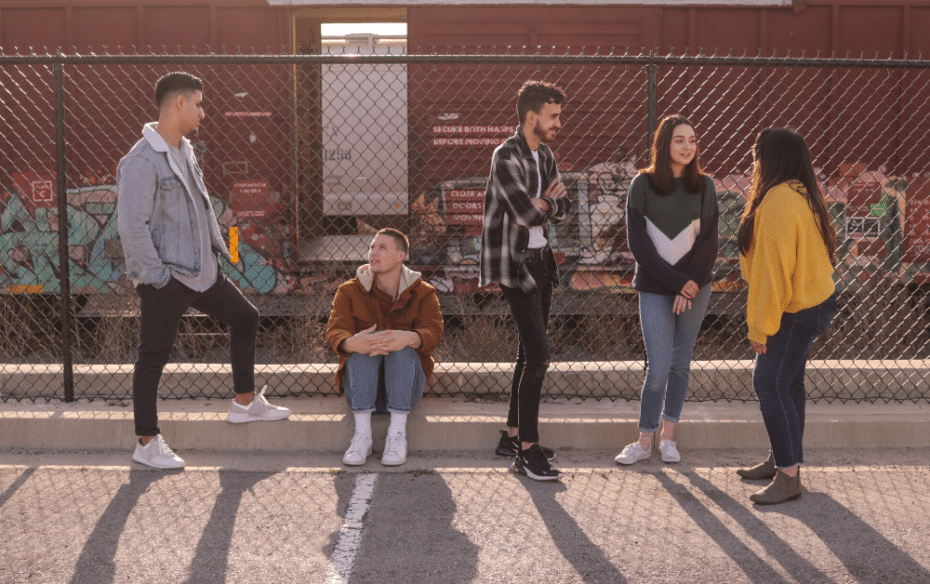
(29, 255)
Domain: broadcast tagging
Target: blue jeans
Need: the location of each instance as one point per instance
(778, 379)
(670, 342)
(402, 374)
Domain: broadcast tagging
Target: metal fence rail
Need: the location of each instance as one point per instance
(307, 155)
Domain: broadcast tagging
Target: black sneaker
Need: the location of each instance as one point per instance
(511, 446)
(533, 463)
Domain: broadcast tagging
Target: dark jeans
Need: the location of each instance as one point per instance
(531, 313)
(778, 379)
(162, 309)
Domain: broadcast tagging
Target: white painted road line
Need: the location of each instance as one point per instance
(342, 562)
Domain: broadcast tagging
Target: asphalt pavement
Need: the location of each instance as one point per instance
(96, 517)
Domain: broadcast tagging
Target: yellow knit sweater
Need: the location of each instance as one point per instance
(788, 267)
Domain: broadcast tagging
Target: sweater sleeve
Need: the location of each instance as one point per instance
(641, 245)
(701, 265)
(771, 268)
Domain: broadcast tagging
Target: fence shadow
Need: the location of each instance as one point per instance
(96, 564)
(573, 543)
(211, 560)
(756, 568)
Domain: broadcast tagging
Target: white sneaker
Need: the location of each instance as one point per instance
(358, 451)
(157, 454)
(256, 411)
(395, 449)
(669, 451)
(633, 453)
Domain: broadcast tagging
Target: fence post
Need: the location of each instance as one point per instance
(651, 104)
(63, 256)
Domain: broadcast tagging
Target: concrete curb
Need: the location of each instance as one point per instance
(325, 424)
(729, 379)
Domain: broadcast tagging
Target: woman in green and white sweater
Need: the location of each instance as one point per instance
(672, 217)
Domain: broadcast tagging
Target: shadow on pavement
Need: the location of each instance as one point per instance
(755, 567)
(573, 543)
(211, 560)
(410, 536)
(96, 564)
(20, 480)
(867, 554)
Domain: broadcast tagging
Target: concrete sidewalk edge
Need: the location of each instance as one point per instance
(325, 424)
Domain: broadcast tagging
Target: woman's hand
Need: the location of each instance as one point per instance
(690, 290)
(681, 304)
(759, 348)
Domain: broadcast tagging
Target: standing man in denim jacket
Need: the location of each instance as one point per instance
(170, 238)
(525, 193)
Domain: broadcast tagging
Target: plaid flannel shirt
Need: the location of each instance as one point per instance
(509, 212)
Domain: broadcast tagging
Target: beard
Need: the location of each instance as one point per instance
(545, 137)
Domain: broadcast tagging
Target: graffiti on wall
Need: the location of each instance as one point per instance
(29, 256)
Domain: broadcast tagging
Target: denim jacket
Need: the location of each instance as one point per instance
(156, 217)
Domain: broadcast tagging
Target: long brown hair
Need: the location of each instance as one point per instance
(659, 172)
(782, 156)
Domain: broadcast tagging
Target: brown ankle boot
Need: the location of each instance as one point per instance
(783, 488)
(763, 470)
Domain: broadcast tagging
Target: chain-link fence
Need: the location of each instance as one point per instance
(307, 155)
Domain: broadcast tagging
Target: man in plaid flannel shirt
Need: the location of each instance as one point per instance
(524, 194)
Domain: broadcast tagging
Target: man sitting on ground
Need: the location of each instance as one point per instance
(384, 325)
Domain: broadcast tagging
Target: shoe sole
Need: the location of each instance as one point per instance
(151, 464)
(522, 470)
(618, 461)
(398, 463)
(512, 454)
(243, 418)
(791, 498)
(357, 463)
(501, 451)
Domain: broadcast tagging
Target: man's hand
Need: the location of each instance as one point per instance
(542, 204)
(373, 342)
(556, 190)
(759, 348)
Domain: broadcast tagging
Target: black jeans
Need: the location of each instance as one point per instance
(531, 313)
(162, 309)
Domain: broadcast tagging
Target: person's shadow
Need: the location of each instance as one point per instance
(753, 566)
(211, 560)
(866, 554)
(573, 543)
(410, 536)
(96, 564)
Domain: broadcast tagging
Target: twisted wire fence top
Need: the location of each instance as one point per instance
(307, 155)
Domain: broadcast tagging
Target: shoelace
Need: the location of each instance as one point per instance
(356, 445)
(163, 448)
(393, 444)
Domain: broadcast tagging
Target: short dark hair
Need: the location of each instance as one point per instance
(400, 240)
(534, 95)
(171, 84)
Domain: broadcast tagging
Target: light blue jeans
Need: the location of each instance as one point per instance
(404, 380)
(670, 342)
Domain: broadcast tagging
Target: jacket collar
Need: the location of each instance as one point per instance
(408, 277)
(158, 143)
(524, 147)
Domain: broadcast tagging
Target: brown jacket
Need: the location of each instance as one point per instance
(360, 304)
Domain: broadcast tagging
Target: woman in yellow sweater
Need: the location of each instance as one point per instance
(787, 245)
